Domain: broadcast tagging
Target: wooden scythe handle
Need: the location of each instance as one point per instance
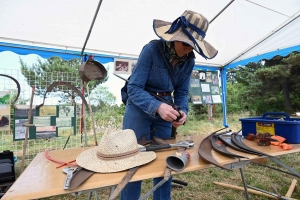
(18, 86)
(27, 130)
(291, 188)
(68, 84)
(249, 190)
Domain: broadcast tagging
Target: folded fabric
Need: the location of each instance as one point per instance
(278, 138)
(286, 146)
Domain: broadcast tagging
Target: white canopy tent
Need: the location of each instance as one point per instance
(242, 31)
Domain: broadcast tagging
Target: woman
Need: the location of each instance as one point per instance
(164, 67)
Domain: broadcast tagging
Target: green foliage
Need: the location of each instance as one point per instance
(43, 73)
(4, 99)
(218, 111)
(270, 85)
(200, 112)
(101, 96)
(197, 109)
(110, 116)
(235, 101)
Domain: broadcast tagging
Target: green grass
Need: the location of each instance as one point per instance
(200, 183)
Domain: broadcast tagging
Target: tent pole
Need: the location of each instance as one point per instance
(223, 85)
(291, 19)
(81, 55)
(89, 33)
(221, 11)
(223, 75)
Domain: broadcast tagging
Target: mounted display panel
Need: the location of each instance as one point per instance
(205, 87)
(49, 121)
(124, 66)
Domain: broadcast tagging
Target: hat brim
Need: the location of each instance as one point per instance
(161, 27)
(88, 159)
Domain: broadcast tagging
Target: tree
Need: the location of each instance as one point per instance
(43, 73)
(101, 97)
(293, 65)
(244, 86)
(270, 85)
(235, 101)
(281, 76)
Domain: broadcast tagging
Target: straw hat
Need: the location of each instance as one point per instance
(117, 151)
(189, 28)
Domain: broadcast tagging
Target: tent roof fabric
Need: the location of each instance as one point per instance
(246, 31)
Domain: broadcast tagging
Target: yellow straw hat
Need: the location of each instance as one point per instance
(117, 151)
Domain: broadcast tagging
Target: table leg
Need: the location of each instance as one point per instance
(244, 183)
(112, 188)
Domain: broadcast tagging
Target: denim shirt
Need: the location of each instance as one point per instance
(151, 73)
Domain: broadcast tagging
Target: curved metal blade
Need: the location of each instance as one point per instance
(123, 183)
(205, 152)
(220, 147)
(238, 140)
(227, 141)
(79, 177)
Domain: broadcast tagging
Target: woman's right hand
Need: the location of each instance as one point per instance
(167, 112)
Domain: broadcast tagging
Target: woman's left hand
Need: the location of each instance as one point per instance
(181, 121)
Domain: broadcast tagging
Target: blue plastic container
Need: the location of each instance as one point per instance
(276, 123)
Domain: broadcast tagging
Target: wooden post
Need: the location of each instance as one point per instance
(209, 112)
(27, 129)
(92, 115)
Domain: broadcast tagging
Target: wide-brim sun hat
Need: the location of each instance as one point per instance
(117, 151)
(190, 28)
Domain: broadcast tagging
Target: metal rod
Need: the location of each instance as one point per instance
(244, 183)
(150, 192)
(221, 11)
(274, 168)
(82, 115)
(67, 142)
(242, 189)
(260, 190)
(263, 39)
(91, 27)
(84, 125)
(274, 159)
(268, 8)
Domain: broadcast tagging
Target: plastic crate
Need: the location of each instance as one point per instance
(275, 123)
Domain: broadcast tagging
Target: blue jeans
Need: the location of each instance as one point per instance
(141, 123)
(132, 191)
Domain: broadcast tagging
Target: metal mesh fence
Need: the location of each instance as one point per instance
(35, 146)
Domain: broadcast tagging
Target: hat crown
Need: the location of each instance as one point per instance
(120, 142)
(190, 28)
(117, 151)
(196, 19)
